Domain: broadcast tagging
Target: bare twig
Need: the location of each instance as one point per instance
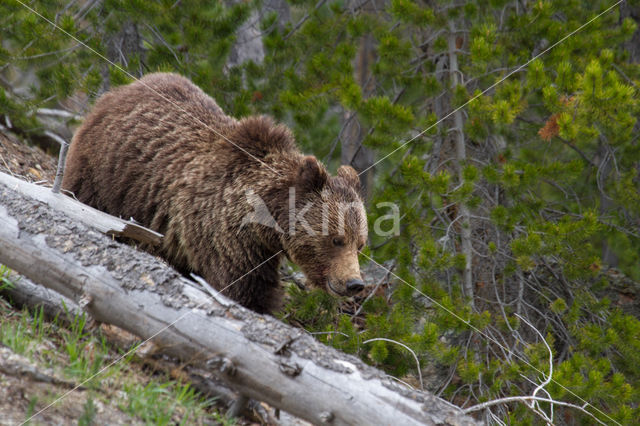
(625, 76)
(523, 399)
(576, 149)
(58, 113)
(534, 403)
(62, 158)
(161, 39)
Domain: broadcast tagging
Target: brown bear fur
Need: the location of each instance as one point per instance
(162, 152)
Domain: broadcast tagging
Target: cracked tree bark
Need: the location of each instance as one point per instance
(255, 355)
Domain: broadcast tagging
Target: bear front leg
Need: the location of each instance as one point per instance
(255, 288)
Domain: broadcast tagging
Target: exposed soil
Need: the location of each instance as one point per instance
(26, 388)
(26, 162)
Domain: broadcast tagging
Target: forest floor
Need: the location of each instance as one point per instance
(42, 359)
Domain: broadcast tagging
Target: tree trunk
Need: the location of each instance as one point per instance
(353, 152)
(256, 355)
(460, 159)
(633, 45)
(248, 45)
(123, 46)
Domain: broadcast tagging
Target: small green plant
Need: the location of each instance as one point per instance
(5, 282)
(31, 407)
(86, 352)
(157, 403)
(224, 420)
(88, 413)
(15, 335)
(38, 324)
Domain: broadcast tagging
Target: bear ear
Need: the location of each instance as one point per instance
(312, 176)
(350, 176)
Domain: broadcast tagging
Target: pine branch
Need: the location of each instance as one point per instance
(303, 20)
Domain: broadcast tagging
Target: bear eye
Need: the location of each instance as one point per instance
(338, 242)
(360, 247)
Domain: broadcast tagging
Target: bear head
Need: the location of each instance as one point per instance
(327, 227)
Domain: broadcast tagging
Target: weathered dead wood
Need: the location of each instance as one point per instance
(26, 293)
(82, 213)
(256, 355)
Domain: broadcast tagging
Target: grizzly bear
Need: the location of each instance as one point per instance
(231, 197)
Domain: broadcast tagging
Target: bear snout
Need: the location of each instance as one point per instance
(354, 286)
(349, 287)
(344, 277)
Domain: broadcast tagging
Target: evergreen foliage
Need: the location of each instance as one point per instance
(547, 192)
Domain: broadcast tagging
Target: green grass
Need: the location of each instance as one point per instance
(76, 353)
(88, 413)
(157, 403)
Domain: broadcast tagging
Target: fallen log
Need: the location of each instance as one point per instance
(79, 212)
(26, 293)
(257, 356)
